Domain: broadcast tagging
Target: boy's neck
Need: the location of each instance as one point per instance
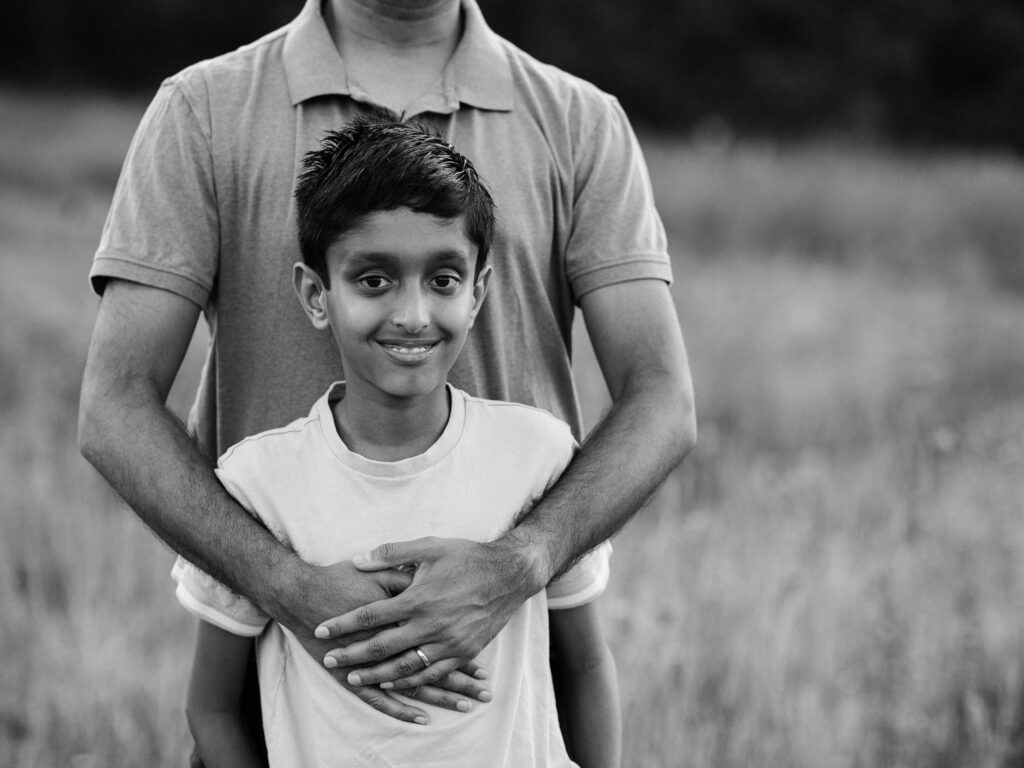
(391, 429)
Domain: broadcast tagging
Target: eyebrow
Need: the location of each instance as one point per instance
(445, 257)
(449, 256)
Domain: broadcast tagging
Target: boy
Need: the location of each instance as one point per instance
(394, 228)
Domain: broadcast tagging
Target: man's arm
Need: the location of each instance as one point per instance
(463, 592)
(647, 432)
(140, 447)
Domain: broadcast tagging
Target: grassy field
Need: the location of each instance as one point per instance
(834, 578)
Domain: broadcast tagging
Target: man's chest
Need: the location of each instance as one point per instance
(257, 174)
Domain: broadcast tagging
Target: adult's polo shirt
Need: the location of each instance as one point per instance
(204, 208)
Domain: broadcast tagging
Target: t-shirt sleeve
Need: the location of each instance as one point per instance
(617, 234)
(162, 229)
(584, 581)
(209, 599)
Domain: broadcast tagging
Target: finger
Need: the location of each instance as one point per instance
(404, 665)
(371, 616)
(475, 669)
(432, 675)
(389, 705)
(439, 697)
(377, 650)
(392, 580)
(396, 553)
(407, 670)
(460, 682)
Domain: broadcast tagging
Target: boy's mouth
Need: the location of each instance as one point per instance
(401, 349)
(409, 350)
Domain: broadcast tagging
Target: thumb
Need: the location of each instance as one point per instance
(395, 554)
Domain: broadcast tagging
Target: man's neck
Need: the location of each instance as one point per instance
(391, 430)
(394, 50)
(395, 24)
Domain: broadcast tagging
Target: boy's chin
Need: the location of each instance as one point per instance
(413, 390)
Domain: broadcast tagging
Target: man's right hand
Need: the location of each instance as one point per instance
(332, 590)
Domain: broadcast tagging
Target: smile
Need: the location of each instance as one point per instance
(403, 350)
(409, 351)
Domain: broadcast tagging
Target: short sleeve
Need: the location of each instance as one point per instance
(162, 229)
(209, 600)
(203, 595)
(617, 234)
(584, 581)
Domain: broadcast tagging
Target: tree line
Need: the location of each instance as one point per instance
(910, 71)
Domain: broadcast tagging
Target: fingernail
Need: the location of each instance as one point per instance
(322, 632)
(484, 696)
(354, 678)
(361, 560)
(481, 674)
(330, 661)
(421, 720)
(387, 686)
(462, 706)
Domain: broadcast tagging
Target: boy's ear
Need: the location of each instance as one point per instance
(310, 290)
(480, 292)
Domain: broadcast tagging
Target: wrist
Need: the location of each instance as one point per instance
(290, 579)
(529, 561)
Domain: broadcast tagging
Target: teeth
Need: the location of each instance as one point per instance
(403, 350)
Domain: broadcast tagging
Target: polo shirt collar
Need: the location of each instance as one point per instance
(479, 70)
(312, 65)
(480, 67)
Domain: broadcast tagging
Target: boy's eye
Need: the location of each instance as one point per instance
(373, 282)
(445, 282)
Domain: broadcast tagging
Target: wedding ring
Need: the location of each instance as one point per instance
(423, 658)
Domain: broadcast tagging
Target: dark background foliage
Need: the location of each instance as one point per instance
(911, 71)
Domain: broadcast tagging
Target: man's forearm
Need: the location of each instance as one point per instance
(645, 434)
(144, 452)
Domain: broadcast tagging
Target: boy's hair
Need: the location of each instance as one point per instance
(379, 164)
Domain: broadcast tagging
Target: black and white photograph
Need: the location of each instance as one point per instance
(493, 384)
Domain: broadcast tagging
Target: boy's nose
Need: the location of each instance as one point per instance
(411, 313)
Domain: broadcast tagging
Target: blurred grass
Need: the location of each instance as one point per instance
(834, 577)
(908, 214)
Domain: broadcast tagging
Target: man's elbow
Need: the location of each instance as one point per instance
(686, 420)
(666, 398)
(89, 423)
(97, 421)
(672, 398)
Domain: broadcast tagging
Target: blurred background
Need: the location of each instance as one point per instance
(835, 577)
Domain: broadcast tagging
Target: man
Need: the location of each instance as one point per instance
(203, 220)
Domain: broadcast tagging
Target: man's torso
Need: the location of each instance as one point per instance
(541, 140)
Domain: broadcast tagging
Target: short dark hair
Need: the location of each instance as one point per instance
(377, 163)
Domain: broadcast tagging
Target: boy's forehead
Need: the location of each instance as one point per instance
(404, 233)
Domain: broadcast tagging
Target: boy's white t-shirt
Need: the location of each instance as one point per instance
(493, 460)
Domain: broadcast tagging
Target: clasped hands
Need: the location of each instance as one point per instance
(418, 614)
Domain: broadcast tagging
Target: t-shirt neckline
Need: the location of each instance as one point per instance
(394, 469)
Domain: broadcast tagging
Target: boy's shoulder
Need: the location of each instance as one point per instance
(270, 446)
(515, 423)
